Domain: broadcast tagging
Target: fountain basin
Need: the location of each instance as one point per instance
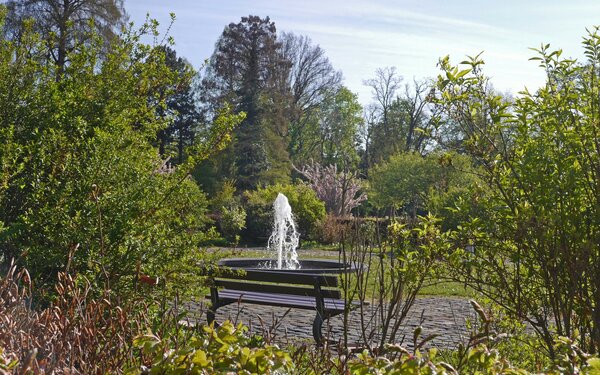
(308, 266)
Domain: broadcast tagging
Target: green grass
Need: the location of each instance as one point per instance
(313, 245)
(447, 289)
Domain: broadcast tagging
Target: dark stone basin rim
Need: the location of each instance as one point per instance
(311, 266)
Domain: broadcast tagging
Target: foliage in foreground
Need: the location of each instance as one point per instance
(81, 334)
(393, 271)
(76, 331)
(226, 349)
(481, 354)
(537, 239)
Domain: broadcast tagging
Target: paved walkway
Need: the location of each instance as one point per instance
(445, 317)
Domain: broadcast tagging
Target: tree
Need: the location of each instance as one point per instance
(397, 121)
(339, 119)
(421, 115)
(384, 87)
(403, 182)
(452, 133)
(537, 244)
(246, 71)
(181, 106)
(339, 190)
(330, 136)
(66, 23)
(82, 185)
(417, 184)
(312, 80)
(459, 185)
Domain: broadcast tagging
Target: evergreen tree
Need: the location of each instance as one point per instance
(247, 71)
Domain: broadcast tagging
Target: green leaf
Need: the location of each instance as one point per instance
(200, 359)
(594, 366)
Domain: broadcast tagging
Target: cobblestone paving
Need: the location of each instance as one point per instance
(445, 317)
(442, 316)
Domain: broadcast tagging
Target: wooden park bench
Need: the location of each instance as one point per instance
(316, 292)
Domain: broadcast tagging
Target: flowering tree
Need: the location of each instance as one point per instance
(339, 190)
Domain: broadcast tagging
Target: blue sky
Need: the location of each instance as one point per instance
(360, 36)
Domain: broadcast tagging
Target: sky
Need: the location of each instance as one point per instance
(360, 36)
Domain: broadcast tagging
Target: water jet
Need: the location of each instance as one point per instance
(283, 244)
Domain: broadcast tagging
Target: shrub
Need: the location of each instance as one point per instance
(224, 350)
(232, 221)
(228, 211)
(82, 185)
(307, 208)
(403, 182)
(479, 354)
(458, 194)
(340, 191)
(415, 183)
(82, 334)
(538, 235)
(333, 229)
(79, 333)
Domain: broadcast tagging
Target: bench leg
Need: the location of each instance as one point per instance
(210, 315)
(212, 311)
(317, 329)
(214, 305)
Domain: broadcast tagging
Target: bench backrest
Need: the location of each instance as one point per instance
(280, 282)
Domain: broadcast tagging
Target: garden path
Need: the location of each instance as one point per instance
(446, 317)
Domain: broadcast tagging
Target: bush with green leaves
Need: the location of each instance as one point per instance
(537, 241)
(308, 210)
(224, 350)
(402, 182)
(457, 195)
(393, 272)
(414, 183)
(227, 209)
(232, 220)
(112, 335)
(82, 187)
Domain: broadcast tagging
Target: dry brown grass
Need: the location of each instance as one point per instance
(76, 334)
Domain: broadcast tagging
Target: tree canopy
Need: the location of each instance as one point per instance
(248, 71)
(65, 24)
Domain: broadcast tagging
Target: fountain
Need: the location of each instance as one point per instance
(285, 238)
(283, 243)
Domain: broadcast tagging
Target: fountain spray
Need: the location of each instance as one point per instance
(285, 238)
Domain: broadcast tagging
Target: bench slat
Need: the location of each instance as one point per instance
(276, 289)
(274, 276)
(283, 300)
